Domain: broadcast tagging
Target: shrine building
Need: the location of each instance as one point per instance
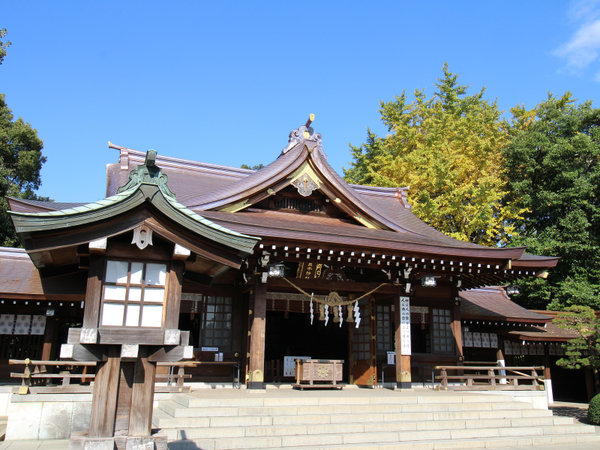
(287, 261)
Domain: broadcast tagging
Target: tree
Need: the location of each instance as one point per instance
(3, 44)
(553, 163)
(447, 149)
(20, 161)
(255, 167)
(583, 350)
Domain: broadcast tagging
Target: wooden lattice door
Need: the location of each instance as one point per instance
(363, 364)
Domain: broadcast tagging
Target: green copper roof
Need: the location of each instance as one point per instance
(146, 184)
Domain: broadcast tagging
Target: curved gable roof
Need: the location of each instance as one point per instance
(147, 185)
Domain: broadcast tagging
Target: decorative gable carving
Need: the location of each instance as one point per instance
(305, 185)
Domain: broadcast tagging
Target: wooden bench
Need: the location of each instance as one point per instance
(181, 366)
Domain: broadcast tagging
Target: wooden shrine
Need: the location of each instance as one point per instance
(335, 271)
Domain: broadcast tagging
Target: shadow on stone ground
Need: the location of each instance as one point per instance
(183, 444)
(578, 413)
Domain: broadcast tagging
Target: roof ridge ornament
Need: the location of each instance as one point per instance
(303, 133)
(148, 173)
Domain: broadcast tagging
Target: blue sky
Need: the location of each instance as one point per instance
(225, 82)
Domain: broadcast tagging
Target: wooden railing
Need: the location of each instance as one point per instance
(37, 376)
(490, 377)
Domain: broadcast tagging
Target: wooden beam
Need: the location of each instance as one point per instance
(327, 286)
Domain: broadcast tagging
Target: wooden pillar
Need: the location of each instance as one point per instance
(403, 373)
(104, 403)
(589, 382)
(258, 320)
(93, 292)
(501, 362)
(548, 375)
(456, 326)
(50, 339)
(175, 282)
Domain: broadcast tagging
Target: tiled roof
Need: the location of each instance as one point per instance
(18, 274)
(550, 333)
(492, 303)
(282, 225)
(199, 192)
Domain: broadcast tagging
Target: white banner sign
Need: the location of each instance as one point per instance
(405, 348)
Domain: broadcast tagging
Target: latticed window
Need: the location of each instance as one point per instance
(133, 294)
(443, 341)
(385, 340)
(216, 322)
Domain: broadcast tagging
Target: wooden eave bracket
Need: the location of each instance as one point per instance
(181, 253)
(98, 246)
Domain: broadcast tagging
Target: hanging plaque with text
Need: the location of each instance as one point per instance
(405, 326)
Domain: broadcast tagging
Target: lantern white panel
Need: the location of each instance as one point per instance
(137, 270)
(135, 294)
(154, 295)
(112, 314)
(156, 274)
(133, 315)
(152, 316)
(116, 272)
(115, 292)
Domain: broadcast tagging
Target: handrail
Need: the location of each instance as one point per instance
(496, 377)
(35, 374)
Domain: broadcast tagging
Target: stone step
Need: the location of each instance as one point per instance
(380, 420)
(193, 432)
(177, 409)
(432, 439)
(197, 400)
(166, 418)
(584, 442)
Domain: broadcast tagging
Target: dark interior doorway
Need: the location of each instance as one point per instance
(291, 334)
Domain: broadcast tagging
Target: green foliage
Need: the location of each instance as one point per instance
(4, 44)
(20, 160)
(20, 164)
(447, 149)
(553, 164)
(594, 410)
(255, 167)
(583, 350)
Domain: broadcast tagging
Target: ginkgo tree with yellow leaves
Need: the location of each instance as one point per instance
(447, 149)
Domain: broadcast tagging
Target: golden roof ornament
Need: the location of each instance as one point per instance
(303, 133)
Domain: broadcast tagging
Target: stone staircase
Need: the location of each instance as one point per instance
(361, 419)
